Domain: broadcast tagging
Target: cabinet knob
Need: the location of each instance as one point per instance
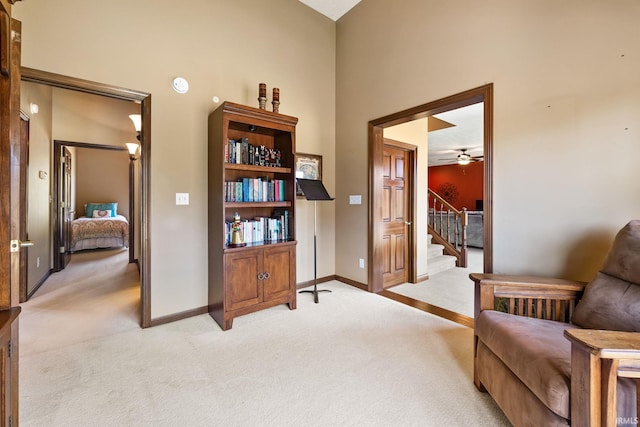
(260, 276)
(267, 275)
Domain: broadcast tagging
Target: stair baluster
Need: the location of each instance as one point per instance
(454, 236)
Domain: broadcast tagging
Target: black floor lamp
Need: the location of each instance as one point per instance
(314, 190)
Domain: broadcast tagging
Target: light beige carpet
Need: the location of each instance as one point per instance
(451, 289)
(354, 359)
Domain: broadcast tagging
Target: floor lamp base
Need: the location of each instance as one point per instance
(315, 292)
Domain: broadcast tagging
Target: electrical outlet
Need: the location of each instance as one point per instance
(361, 262)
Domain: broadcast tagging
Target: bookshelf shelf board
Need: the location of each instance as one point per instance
(257, 204)
(255, 168)
(229, 249)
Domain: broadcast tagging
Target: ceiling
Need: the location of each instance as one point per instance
(333, 9)
(445, 134)
(467, 133)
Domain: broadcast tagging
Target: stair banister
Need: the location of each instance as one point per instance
(454, 236)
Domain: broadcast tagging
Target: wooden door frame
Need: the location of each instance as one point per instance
(411, 176)
(116, 92)
(24, 183)
(10, 133)
(376, 136)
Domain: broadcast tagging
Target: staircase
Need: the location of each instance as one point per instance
(437, 262)
(448, 226)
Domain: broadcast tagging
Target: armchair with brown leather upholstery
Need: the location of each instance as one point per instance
(561, 352)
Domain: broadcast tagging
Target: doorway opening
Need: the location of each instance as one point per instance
(418, 217)
(144, 99)
(102, 163)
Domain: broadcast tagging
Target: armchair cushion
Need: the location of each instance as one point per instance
(535, 350)
(623, 260)
(610, 304)
(612, 300)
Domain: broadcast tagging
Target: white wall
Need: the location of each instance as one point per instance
(40, 256)
(567, 106)
(102, 176)
(224, 49)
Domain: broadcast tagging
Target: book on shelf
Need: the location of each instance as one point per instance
(244, 150)
(262, 189)
(262, 229)
(241, 151)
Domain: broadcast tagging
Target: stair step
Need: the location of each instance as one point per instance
(434, 250)
(440, 263)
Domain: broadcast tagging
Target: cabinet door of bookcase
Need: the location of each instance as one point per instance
(279, 262)
(242, 282)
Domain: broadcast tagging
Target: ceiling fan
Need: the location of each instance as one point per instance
(465, 158)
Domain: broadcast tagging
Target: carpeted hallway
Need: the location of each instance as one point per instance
(354, 359)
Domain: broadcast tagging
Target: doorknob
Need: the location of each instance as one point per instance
(407, 222)
(17, 244)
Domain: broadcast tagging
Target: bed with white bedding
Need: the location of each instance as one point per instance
(101, 230)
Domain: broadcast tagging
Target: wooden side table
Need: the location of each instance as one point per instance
(598, 359)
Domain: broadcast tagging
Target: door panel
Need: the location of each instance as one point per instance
(386, 255)
(400, 201)
(386, 204)
(278, 262)
(400, 253)
(394, 222)
(243, 287)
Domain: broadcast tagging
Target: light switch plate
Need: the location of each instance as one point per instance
(182, 198)
(355, 200)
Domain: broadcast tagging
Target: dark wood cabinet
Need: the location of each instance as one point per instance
(258, 278)
(251, 173)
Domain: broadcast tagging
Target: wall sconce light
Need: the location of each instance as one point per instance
(137, 123)
(133, 149)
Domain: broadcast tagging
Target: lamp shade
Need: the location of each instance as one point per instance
(132, 147)
(137, 121)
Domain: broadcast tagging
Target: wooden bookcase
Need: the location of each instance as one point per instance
(261, 274)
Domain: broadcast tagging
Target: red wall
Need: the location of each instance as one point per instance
(466, 179)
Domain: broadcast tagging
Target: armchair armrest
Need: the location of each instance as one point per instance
(598, 358)
(544, 298)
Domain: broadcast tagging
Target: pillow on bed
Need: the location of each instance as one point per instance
(90, 207)
(101, 213)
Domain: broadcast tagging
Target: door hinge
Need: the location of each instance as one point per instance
(10, 420)
(61, 250)
(10, 349)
